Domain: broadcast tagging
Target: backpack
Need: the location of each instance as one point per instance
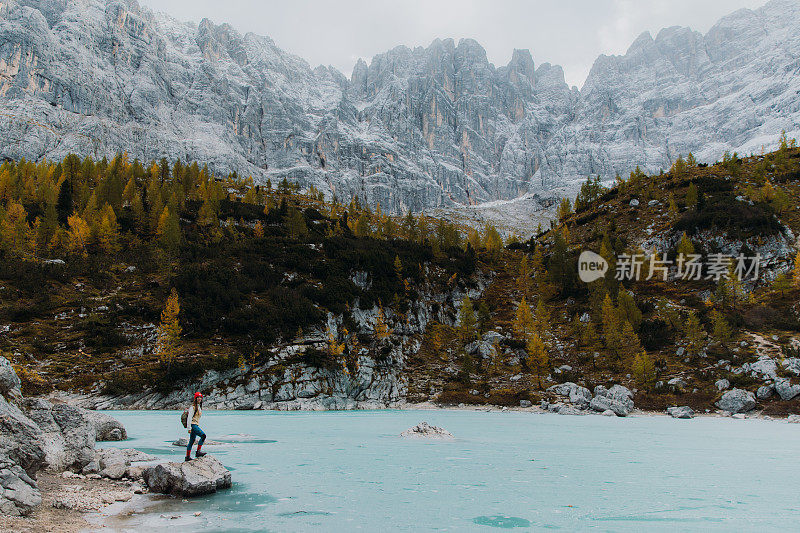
(185, 418)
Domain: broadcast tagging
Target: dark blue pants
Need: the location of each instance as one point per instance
(196, 432)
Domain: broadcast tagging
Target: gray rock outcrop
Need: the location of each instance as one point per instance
(737, 401)
(21, 454)
(616, 398)
(37, 434)
(190, 478)
(106, 427)
(577, 395)
(785, 389)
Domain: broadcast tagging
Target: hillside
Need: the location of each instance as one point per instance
(412, 129)
(286, 301)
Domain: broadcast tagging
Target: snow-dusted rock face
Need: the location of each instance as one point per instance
(421, 128)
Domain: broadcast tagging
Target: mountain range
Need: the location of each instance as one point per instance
(413, 129)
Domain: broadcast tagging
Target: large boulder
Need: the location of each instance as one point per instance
(189, 478)
(78, 434)
(424, 430)
(680, 412)
(577, 395)
(106, 427)
(737, 401)
(51, 439)
(9, 381)
(21, 457)
(617, 398)
(785, 389)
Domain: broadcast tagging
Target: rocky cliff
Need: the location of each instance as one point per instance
(429, 127)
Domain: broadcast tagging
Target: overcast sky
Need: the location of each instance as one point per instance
(571, 33)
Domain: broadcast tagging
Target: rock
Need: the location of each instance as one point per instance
(617, 398)
(134, 472)
(78, 434)
(765, 391)
(634, 202)
(112, 456)
(106, 427)
(21, 455)
(737, 401)
(525, 403)
(677, 384)
(9, 381)
(191, 478)
(577, 395)
(765, 366)
(609, 412)
(114, 471)
(785, 389)
(680, 351)
(569, 410)
(424, 430)
(793, 419)
(722, 384)
(493, 337)
(680, 412)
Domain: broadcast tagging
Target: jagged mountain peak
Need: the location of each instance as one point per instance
(413, 128)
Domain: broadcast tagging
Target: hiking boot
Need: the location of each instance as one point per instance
(199, 454)
(187, 458)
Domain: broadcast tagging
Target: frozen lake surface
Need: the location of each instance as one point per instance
(349, 470)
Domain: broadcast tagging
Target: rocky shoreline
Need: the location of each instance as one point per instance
(53, 478)
(49, 464)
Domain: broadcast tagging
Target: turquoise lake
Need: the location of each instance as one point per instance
(349, 470)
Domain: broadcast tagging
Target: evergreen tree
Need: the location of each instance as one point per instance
(643, 371)
(685, 246)
(694, 333)
(169, 331)
(484, 316)
(79, 234)
(691, 196)
(169, 231)
(466, 321)
(296, 223)
(538, 359)
(678, 167)
(15, 231)
(524, 324)
(628, 309)
(541, 318)
(630, 341)
(612, 331)
(722, 331)
(564, 209)
(258, 230)
(673, 206)
(64, 205)
(108, 231)
(783, 283)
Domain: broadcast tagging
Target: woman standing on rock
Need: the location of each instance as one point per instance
(195, 411)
